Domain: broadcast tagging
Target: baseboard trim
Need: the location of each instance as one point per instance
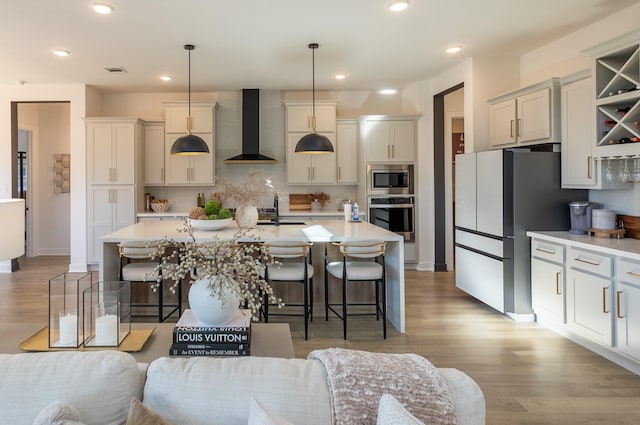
(519, 317)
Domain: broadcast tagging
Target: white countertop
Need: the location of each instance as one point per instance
(283, 214)
(313, 231)
(626, 247)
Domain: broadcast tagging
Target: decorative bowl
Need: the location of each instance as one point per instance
(160, 205)
(210, 224)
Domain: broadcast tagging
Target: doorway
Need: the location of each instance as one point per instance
(40, 133)
(446, 106)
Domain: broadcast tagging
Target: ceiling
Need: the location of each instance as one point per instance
(263, 43)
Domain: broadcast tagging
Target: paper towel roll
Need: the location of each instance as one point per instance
(347, 211)
(603, 219)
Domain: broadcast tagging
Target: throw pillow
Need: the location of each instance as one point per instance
(139, 414)
(392, 412)
(57, 413)
(260, 415)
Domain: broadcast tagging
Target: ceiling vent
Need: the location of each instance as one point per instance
(116, 69)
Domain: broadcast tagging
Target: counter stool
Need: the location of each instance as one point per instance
(293, 265)
(361, 261)
(139, 261)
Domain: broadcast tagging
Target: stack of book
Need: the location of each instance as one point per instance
(192, 338)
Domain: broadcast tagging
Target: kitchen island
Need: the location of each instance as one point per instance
(319, 232)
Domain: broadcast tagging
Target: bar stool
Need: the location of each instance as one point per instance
(293, 265)
(139, 261)
(361, 261)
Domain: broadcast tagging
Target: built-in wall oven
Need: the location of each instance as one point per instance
(394, 213)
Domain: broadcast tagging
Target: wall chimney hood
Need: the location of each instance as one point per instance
(250, 131)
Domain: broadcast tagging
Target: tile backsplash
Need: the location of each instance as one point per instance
(621, 201)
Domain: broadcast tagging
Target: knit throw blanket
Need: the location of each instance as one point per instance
(357, 380)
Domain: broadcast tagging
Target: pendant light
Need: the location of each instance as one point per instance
(313, 142)
(190, 144)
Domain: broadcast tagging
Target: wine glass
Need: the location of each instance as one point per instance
(623, 174)
(636, 170)
(608, 173)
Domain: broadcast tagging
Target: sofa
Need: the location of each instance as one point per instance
(102, 384)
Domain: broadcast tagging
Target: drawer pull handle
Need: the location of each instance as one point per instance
(604, 299)
(589, 167)
(620, 316)
(558, 284)
(586, 261)
(545, 250)
(633, 274)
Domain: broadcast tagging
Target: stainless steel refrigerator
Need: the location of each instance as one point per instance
(499, 195)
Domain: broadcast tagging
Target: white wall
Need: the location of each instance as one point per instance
(76, 94)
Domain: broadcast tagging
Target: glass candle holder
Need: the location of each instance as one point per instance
(107, 319)
(66, 309)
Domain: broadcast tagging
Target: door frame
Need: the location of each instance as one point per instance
(448, 182)
(439, 179)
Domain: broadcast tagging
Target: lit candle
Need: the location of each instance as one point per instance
(107, 330)
(68, 329)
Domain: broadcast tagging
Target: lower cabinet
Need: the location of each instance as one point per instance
(589, 306)
(110, 208)
(547, 291)
(627, 313)
(597, 304)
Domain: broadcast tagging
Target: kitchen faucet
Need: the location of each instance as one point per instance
(276, 220)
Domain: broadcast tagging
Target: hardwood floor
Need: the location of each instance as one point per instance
(529, 375)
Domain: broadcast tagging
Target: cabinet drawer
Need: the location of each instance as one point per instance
(589, 261)
(547, 251)
(628, 271)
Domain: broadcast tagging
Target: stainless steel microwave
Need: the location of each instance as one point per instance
(390, 179)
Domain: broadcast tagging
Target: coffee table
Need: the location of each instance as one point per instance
(267, 339)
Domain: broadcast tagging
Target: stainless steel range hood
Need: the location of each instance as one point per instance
(250, 131)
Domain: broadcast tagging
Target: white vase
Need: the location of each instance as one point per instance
(247, 216)
(212, 308)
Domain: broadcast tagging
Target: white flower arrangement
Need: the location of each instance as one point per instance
(237, 266)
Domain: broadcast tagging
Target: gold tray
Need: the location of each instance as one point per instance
(133, 342)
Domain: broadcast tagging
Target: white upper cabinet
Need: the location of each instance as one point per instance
(578, 164)
(189, 170)
(310, 169)
(389, 139)
(201, 118)
(347, 151)
(300, 114)
(305, 168)
(154, 153)
(526, 116)
(113, 147)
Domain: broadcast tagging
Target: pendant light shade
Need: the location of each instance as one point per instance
(190, 144)
(313, 142)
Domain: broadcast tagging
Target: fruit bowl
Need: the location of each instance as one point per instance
(160, 205)
(210, 224)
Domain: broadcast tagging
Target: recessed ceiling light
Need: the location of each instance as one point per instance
(388, 91)
(453, 49)
(166, 77)
(398, 5)
(61, 52)
(102, 8)
(340, 75)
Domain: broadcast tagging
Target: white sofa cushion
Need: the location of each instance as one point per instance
(210, 391)
(261, 415)
(99, 384)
